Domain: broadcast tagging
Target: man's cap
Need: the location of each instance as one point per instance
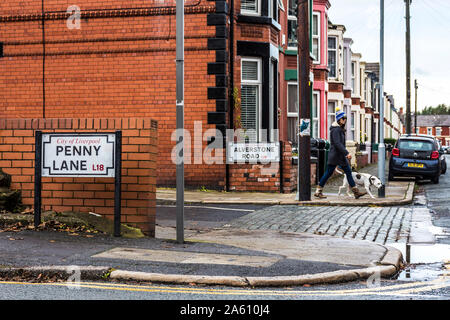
(340, 115)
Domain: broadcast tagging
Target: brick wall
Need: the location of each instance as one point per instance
(121, 63)
(139, 153)
(374, 157)
(362, 160)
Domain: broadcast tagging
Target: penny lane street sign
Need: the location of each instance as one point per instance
(253, 152)
(79, 155)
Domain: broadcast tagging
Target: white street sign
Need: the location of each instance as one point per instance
(78, 155)
(253, 152)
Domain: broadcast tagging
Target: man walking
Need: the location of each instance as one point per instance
(338, 156)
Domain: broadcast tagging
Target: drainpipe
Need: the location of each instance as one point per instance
(43, 60)
(230, 90)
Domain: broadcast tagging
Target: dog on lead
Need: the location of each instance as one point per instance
(361, 179)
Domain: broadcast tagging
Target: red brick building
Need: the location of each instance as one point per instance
(435, 125)
(116, 59)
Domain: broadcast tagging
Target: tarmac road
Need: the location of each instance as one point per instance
(201, 217)
(385, 290)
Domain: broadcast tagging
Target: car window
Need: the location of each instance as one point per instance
(416, 145)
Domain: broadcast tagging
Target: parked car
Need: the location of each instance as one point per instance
(446, 149)
(417, 156)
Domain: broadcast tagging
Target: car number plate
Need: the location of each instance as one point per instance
(415, 165)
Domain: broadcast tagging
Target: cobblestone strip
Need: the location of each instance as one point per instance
(404, 229)
(321, 219)
(395, 226)
(344, 219)
(334, 223)
(350, 222)
(358, 217)
(368, 222)
(399, 224)
(298, 220)
(374, 224)
(315, 216)
(384, 226)
(256, 219)
(381, 225)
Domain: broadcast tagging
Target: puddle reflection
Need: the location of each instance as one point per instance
(424, 261)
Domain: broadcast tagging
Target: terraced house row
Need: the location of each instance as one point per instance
(115, 59)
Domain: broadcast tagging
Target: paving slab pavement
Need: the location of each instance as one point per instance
(397, 193)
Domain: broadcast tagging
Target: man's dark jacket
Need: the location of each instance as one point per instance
(338, 152)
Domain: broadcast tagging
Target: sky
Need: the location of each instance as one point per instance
(430, 44)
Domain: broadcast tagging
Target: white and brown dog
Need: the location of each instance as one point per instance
(361, 179)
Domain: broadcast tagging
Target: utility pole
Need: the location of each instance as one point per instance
(408, 68)
(303, 67)
(381, 146)
(180, 118)
(415, 108)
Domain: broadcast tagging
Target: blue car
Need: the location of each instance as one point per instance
(416, 156)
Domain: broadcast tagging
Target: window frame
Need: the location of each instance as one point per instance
(274, 6)
(353, 125)
(353, 76)
(335, 50)
(365, 90)
(257, 83)
(318, 37)
(314, 119)
(252, 13)
(333, 114)
(291, 115)
(440, 131)
(291, 18)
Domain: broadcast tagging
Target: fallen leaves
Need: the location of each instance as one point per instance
(13, 239)
(52, 225)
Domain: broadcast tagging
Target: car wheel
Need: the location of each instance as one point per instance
(435, 179)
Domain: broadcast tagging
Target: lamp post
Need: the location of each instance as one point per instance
(180, 118)
(381, 146)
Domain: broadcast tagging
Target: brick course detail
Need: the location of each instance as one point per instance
(139, 154)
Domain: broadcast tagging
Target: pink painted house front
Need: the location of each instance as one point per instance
(320, 68)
